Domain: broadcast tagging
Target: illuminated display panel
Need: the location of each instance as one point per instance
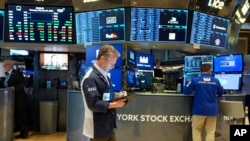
(192, 66)
(144, 61)
(1, 24)
(229, 81)
(161, 25)
(209, 30)
(100, 26)
(39, 2)
(53, 61)
(228, 63)
(39, 24)
(223, 8)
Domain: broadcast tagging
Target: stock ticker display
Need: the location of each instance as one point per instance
(161, 25)
(100, 26)
(39, 24)
(209, 30)
(192, 66)
(1, 24)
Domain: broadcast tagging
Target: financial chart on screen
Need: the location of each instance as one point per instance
(100, 26)
(209, 30)
(160, 25)
(39, 24)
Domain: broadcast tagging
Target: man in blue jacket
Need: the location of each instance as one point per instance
(96, 87)
(205, 88)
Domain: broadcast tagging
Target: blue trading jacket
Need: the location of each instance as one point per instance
(205, 88)
(99, 121)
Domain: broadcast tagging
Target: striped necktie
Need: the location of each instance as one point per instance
(6, 79)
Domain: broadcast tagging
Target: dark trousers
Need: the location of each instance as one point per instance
(20, 114)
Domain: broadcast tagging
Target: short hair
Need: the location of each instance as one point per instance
(205, 68)
(107, 51)
(8, 61)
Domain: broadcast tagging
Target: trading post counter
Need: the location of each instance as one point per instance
(149, 117)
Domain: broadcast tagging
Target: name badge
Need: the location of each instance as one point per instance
(106, 97)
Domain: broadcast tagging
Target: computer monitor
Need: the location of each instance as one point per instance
(228, 63)
(229, 81)
(130, 77)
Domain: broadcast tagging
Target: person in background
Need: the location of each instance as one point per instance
(205, 88)
(99, 107)
(15, 79)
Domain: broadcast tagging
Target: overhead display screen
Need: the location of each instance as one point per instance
(161, 25)
(1, 24)
(39, 24)
(228, 63)
(41, 2)
(144, 61)
(100, 26)
(209, 30)
(223, 8)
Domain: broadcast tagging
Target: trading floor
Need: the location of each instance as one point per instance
(36, 136)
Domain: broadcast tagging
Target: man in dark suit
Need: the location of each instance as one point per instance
(16, 80)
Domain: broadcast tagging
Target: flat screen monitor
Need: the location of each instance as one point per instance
(192, 63)
(209, 30)
(92, 52)
(1, 24)
(223, 8)
(130, 77)
(192, 66)
(159, 24)
(229, 81)
(100, 26)
(144, 61)
(53, 61)
(15, 52)
(39, 24)
(131, 57)
(42, 2)
(228, 63)
(116, 79)
(149, 78)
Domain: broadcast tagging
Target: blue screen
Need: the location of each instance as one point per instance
(92, 52)
(130, 77)
(229, 63)
(131, 54)
(116, 79)
(144, 61)
(1, 24)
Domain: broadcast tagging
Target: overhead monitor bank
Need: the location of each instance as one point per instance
(1, 24)
(39, 24)
(209, 30)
